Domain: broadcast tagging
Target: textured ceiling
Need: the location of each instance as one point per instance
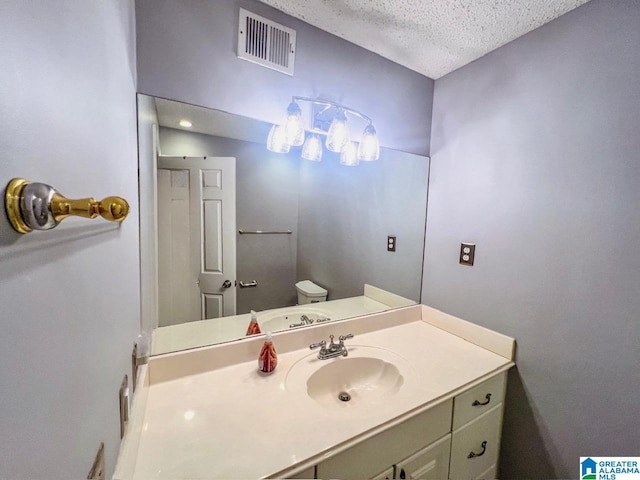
(432, 37)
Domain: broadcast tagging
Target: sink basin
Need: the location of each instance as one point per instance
(281, 319)
(362, 379)
(367, 376)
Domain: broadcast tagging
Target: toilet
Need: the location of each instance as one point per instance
(309, 292)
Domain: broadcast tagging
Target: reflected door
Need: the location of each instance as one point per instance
(196, 238)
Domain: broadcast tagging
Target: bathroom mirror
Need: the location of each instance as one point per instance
(323, 226)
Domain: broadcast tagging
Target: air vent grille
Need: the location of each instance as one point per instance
(265, 42)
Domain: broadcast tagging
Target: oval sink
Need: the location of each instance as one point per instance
(367, 376)
(363, 379)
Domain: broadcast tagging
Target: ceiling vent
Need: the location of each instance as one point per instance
(266, 43)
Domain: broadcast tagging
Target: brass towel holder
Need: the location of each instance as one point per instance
(37, 206)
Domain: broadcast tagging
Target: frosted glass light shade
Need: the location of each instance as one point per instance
(338, 134)
(295, 132)
(312, 149)
(349, 155)
(369, 148)
(277, 140)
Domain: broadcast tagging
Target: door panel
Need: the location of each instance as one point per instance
(211, 235)
(212, 306)
(177, 299)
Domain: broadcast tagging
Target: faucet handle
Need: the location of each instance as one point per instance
(342, 338)
(322, 344)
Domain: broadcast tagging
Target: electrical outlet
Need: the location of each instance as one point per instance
(97, 471)
(467, 253)
(391, 243)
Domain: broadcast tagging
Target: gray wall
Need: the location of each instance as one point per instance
(346, 214)
(69, 297)
(187, 52)
(266, 199)
(535, 158)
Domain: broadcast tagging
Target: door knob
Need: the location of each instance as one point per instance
(226, 284)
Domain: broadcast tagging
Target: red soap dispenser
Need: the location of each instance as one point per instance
(253, 328)
(268, 358)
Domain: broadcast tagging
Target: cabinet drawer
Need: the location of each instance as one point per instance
(372, 456)
(478, 400)
(308, 473)
(489, 474)
(431, 462)
(475, 447)
(386, 475)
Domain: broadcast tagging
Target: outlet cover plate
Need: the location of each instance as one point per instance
(467, 253)
(391, 243)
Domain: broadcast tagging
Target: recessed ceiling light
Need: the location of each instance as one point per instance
(186, 123)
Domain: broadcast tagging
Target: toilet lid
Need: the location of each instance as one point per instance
(309, 288)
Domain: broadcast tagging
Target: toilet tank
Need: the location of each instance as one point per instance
(309, 292)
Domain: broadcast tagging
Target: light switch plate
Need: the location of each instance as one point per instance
(467, 253)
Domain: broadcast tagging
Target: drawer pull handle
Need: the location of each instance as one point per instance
(484, 449)
(476, 403)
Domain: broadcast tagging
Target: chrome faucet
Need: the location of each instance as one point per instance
(304, 320)
(334, 349)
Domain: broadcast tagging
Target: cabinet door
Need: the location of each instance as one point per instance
(431, 462)
(475, 447)
(386, 475)
(368, 458)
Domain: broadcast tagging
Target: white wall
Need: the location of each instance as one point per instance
(69, 297)
(535, 157)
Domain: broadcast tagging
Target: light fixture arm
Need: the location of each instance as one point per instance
(327, 104)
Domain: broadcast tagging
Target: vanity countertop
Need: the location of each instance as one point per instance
(207, 413)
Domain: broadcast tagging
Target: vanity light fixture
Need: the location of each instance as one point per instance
(312, 149)
(369, 148)
(338, 134)
(349, 155)
(185, 123)
(294, 128)
(277, 141)
(331, 120)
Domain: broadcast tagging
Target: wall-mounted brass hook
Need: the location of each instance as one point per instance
(36, 206)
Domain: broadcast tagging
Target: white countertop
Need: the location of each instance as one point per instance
(231, 422)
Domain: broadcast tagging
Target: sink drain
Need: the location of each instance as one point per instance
(344, 396)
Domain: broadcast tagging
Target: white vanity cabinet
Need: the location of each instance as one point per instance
(458, 439)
